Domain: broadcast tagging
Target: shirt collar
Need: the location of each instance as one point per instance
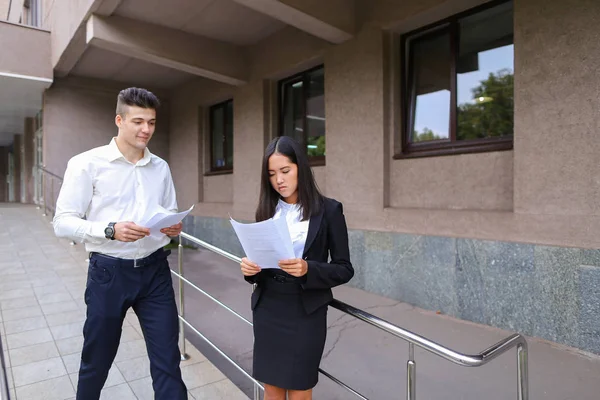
(113, 153)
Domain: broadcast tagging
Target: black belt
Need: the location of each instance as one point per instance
(281, 278)
(158, 255)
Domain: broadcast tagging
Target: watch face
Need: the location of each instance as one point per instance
(109, 232)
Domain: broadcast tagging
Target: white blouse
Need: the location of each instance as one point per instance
(298, 228)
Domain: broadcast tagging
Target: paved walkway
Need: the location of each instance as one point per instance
(42, 281)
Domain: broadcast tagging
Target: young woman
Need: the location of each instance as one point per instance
(290, 304)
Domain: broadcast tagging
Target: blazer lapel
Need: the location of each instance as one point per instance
(314, 224)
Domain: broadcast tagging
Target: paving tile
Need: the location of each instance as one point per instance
(53, 389)
(70, 345)
(28, 338)
(34, 353)
(12, 271)
(114, 378)
(57, 308)
(72, 362)
(195, 355)
(22, 313)
(224, 389)
(65, 318)
(38, 371)
(200, 374)
(24, 325)
(52, 298)
(143, 388)
(18, 303)
(131, 350)
(14, 285)
(121, 392)
(135, 369)
(42, 290)
(9, 376)
(7, 359)
(16, 294)
(60, 332)
(129, 334)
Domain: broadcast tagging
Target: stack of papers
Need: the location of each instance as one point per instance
(265, 243)
(162, 218)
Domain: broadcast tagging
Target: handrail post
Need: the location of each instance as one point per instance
(184, 355)
(44, 193)
(256, 392)
(52, 196)
(522, 372)
(411, 374)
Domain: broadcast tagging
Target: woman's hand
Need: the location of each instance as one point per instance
(296, 267)
(249, 268)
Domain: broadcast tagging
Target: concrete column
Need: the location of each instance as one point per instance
(28, 158)
(354, 96)
(17, 146)
(249, 141)
(3, 173)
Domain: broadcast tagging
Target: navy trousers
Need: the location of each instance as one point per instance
(113, 286)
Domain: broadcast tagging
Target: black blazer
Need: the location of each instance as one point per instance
(327, 236)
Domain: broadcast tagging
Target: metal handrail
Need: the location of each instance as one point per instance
(45, 205)
(4, 393)
(477, 360)
(60, 178)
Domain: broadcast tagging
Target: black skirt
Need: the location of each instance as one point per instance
(288, 342)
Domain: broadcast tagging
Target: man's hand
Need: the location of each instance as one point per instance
(130, 232)
(174, 230)
(296, 267)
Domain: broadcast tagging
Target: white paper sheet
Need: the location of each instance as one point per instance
(162, 218)
(265, 243)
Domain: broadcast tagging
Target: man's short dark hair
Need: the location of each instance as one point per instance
(136, 97)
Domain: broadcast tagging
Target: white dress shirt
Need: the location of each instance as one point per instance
(102, 186)
(298, 228)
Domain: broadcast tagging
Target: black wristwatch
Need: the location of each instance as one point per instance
(109, 231)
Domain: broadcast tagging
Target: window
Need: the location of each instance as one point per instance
(457, 84)
(31, 13)
(302, 112)
(221, 137)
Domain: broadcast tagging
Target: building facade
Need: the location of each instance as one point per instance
(460, 135)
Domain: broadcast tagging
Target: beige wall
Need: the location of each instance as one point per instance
(4, 4)
(29, 158)
(17, 147)
(80, 115)
(3, 174)
(557, 154)
(465, 182)
(544, 191)
(29, 50)
(189, 143)
(63, 18)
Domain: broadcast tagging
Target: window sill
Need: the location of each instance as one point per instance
(219, 172)
(316, 161)
(451, 149)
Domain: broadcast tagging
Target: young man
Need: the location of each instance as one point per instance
(112, 186)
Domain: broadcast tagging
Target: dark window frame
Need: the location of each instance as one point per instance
(304, 77)
(226, 169)
(407, 103)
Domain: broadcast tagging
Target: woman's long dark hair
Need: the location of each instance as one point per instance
(309, 196)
